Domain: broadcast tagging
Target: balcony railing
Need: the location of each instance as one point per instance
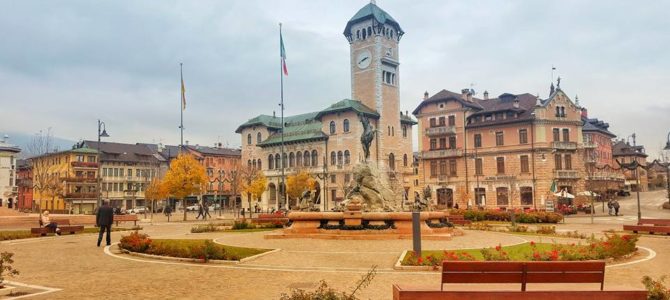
(441, 153)
(81, 195)
(564, 145)
(590, 160)
(80, 179)
(442, 130)
(590, 145)
(83, 164)
(610, 176)
(566, 174)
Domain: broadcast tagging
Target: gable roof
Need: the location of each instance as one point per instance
(119, 152)
(215, 150)
(621, 148)
(595, 125)
(445, 95)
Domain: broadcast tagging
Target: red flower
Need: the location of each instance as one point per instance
(532, 244)
(498, 247)
(420, 260)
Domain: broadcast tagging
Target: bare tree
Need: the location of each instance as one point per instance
(39, 145)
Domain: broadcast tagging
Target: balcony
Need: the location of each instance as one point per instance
(80, 179)
(84, 165)
(81, 195)
(441, 153)
(566, 174)
(590, 160)
(564, 145)
(590, 145)
(442, 130)
(607, 176)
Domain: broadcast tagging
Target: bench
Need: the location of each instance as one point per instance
(63, 225)
(650, 225)
(458, 220)
(522, 273)
(125, 218)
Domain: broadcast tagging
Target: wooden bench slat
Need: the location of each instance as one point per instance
(461, 266)
(405, 293)
(564, 277)
(501, 277)
(566, 266)
(647, 228)
(660, 222)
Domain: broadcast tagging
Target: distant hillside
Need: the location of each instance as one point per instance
(22, 140)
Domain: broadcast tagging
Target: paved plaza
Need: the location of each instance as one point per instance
(73, 264)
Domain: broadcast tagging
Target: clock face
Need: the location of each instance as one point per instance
(363, 59)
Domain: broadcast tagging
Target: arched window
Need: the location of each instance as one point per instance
(298, 159)
(332, 127)
(339, 158)
(333, 158)
(277, 161)
(254, 164)
(307, 158)
(347, 157)
(260, 166)
(291, 160)
(358, 34)
(404, 131)
(249, 164)
(271, 162)
(389, 130)
(392, 130)
(345, 125)
(284, 160)
(249, 139)
(391, 161)
(404, 160)
(364, 34)
(369, 31)
(315, 158)
(258, 138)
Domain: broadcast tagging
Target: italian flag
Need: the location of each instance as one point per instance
(282, 53)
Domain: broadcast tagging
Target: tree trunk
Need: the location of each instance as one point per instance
(183, 205)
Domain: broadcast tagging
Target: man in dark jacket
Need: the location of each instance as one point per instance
(104, 219)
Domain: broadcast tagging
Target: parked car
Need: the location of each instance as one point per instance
(192, 208)
(137, 210)
(624, 192)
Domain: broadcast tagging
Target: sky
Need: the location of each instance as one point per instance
(66, 64)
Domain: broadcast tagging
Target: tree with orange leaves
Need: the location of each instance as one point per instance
(185, 177)
(155, 191)
(254, 184)
(298, 183)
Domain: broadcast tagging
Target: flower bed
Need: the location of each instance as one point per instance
(196, 249)
(612, 246)
(500, 215)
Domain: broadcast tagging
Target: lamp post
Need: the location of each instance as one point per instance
(218, 189)
(324, 176)
(102, 132)
(667, 169)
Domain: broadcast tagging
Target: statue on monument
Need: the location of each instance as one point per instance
(367, 136)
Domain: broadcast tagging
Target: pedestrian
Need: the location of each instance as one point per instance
(104, 219)
(616, 207)
(200, 212)
(207, 211)
(242, 213)
(610, 207)
(47, 223)
(168, 211)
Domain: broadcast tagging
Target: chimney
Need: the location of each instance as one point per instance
(220, 145)
(273, 114)
(585, 113)
(464, 93)
(486, 95)
(516, 103)
(425, 95)
(407, 113)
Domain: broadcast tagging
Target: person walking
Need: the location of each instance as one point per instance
(616, 207)
(104, 219)
(45, 221)
(207, 212)
(610, 207)
(200, 212)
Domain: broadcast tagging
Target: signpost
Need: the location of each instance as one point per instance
(549, 206)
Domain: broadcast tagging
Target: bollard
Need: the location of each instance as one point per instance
(416, 232)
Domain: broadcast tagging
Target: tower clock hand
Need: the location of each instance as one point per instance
(362, 60)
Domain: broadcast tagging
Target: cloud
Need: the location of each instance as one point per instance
(67, 64)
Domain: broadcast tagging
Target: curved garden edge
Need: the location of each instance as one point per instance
(651, 254)
(195, 260)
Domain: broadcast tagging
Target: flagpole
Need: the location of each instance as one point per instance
(181, 108)
(281, 72)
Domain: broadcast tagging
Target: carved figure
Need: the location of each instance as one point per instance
(367, 136)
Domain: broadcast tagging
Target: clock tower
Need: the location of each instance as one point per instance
(373, 37)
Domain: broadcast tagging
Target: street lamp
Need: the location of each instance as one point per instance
(667, 167)
(324, 178)
(634, 165)
(102, 132)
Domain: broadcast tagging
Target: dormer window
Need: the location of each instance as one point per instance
(332, 127)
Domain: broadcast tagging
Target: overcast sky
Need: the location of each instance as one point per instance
(65, 64)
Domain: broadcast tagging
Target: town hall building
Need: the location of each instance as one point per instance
(327, 143)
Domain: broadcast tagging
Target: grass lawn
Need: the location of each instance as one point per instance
(517, 252)
(184, 248)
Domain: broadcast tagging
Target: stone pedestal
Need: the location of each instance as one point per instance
(353, 218)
